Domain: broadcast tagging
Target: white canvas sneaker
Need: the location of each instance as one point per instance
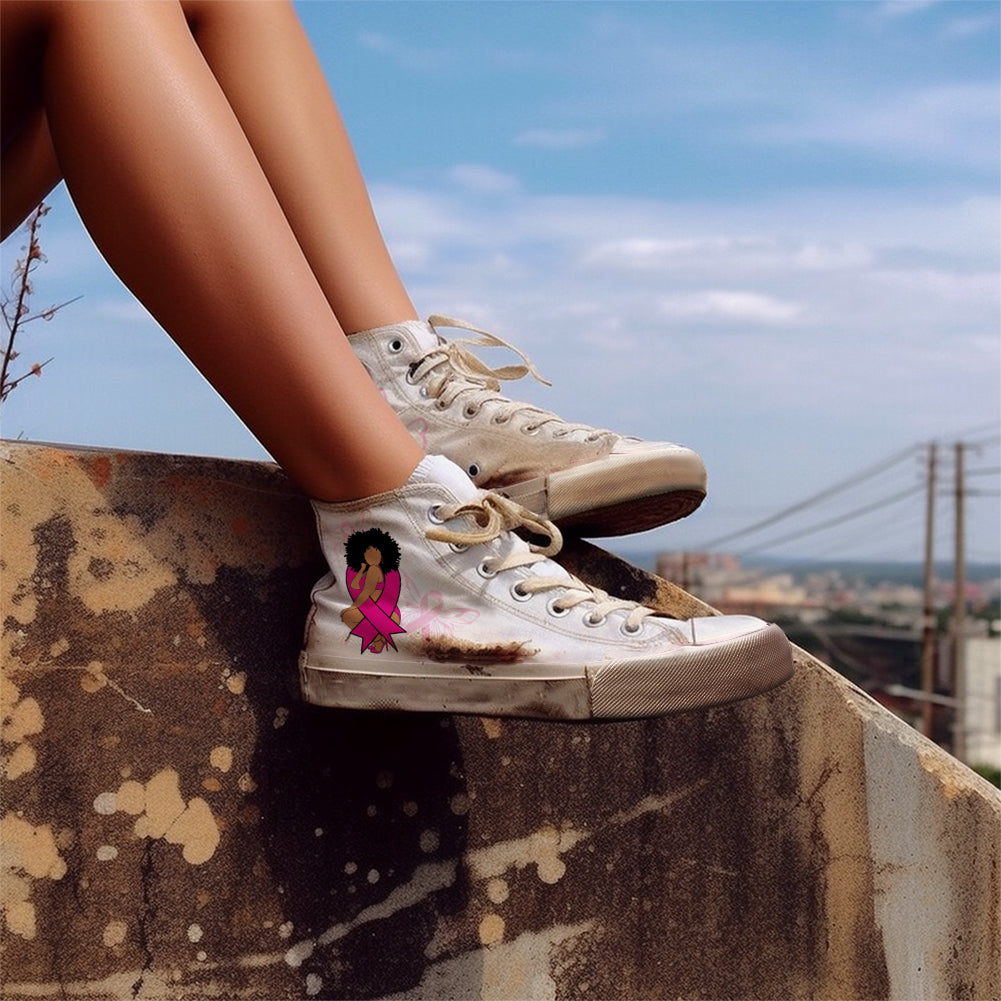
(591, 481)
(434, 603)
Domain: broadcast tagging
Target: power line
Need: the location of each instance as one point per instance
(832, 491)
(841, 519)
(881, 538)
(987, 426)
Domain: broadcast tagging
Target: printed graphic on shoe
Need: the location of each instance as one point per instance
(429, 615)
(492, 624)
(589, 480)
(373, 582)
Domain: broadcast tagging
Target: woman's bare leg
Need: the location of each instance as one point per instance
(265, 64)
(28, 167)
(268, 71)
(29, 172)
(175, 198)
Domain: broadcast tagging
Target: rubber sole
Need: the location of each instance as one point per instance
(637, 515)
(626, 492)
(695, 677)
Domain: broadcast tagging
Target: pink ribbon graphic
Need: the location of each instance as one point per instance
(431, 617)
(377, 611)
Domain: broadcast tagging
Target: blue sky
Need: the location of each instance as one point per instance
(767, 230)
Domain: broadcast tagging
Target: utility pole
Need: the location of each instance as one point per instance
(959, 613)
(928, 633)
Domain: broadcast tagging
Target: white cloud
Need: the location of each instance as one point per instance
(952, 122)
(377, 42)
(730, 305)
(903, 8)
(643, 252)
(481, 178)
(409, 56)
(659, 254)
(967, 27)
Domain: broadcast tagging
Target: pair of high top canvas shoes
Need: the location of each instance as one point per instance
(445, 596)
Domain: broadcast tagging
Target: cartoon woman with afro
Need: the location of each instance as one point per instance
(373, 581)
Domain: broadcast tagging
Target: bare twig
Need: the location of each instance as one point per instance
(16, 309)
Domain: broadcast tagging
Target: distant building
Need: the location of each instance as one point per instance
(871, 631)
(721, 580)
(981, 706)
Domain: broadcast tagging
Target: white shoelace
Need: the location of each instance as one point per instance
(490, 515)
(450, 371)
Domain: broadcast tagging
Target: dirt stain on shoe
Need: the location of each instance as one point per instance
(449, 648)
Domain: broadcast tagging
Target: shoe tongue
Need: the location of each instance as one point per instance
(439, 470)
(423, 334)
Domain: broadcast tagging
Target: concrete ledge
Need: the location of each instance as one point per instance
(176, 824)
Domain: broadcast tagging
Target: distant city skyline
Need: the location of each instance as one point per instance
(768, 230)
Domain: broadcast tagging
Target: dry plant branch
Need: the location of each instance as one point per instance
(16, 307)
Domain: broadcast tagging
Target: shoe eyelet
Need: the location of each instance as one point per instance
(554, 611)
(628, 630)
(395, 346)
(499, 419)
(473, 469)
(486, 570)
(593, 621)
(433, 516)
(470, 411)
(458, 547)
(439, 404)
(530, 429)
(518, 594)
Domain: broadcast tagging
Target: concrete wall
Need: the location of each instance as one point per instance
(176, 824)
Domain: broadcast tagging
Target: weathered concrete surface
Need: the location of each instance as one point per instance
(176, 824)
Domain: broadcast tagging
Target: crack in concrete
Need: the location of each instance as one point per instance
(146, 914)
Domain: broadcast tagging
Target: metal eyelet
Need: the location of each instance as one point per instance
(518, 594)
(486, 570)
(470, 411)
(473, 469)
(395, 346)
(592, 621)
(499, 419)
(433, 515)
(530, 429)
(554, 611)
(628, 630)
(458, 547)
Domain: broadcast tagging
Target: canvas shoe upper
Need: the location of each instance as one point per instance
(464, 615)
(593, 481)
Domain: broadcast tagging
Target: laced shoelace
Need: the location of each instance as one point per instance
(492, 514)
(450, 371)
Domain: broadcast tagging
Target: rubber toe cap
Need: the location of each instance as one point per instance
(721, 628)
